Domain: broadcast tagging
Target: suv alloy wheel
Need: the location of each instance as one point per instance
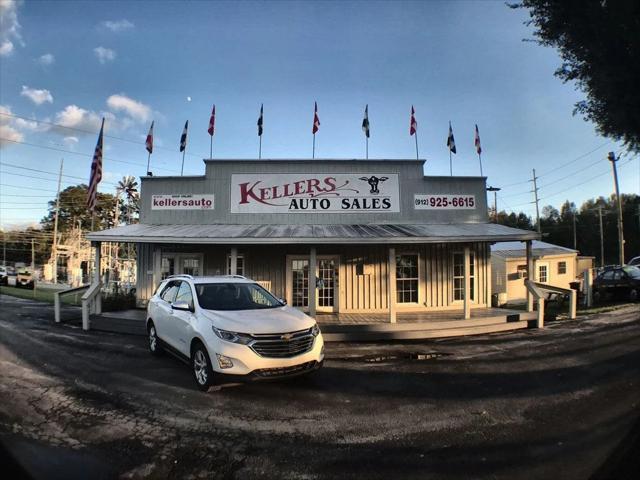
(201, 367)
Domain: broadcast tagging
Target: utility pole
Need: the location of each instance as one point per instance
(54, 249)
(535, 192)
(495, 191)
(612, 158)
(33, 265)
(601, 238)
(575, 237)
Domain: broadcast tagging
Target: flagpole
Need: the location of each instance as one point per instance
(260, 149)
(211, 148)
(480, 159)
(183, 153)
(367, 147)
(313, 154)
(416, 135)
(148, 162)
(450, 163)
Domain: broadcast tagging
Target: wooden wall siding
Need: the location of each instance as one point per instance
(368, 292)
(437, 273)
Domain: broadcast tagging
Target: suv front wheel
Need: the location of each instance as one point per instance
(201, 367)
(154, 342)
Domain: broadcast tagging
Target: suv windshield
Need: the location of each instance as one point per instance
(234, 296)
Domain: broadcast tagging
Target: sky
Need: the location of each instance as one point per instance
(65, 65)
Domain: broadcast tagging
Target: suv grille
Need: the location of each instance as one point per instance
(283, 345)
(285, 371)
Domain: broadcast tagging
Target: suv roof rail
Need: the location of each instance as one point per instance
(235, 276)
(181, 275)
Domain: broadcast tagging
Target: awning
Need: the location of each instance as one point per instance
(313, 234)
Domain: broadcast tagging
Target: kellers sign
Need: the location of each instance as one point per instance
(315, 193)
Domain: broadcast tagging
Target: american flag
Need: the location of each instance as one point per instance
(477, 141)
(212, 121)
(413, 127)
(149, 142)
(96, 173)
(316, 119)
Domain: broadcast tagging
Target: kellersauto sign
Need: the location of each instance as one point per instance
(314, 193)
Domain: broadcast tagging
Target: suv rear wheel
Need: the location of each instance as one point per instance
(201, 367)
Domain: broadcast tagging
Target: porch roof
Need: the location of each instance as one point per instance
(313, 234)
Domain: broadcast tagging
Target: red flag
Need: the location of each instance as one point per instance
(212, 121)
(413, 127)
(149, 142)
(96, 172)
(316, 119)
(477, 141)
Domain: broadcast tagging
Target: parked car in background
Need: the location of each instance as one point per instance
(231, 326)
(617, 283)
(634, 262)
(4, 274)
(25, 279)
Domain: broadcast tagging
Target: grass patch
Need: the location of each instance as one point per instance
(41, 294)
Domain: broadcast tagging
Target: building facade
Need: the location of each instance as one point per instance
(369, 235)
(552, 264)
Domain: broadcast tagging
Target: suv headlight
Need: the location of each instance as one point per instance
(232, 337)
(315, 330)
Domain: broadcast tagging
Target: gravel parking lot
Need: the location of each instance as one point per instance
(529, 404)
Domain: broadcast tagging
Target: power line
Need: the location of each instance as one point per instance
(30, 188)
(90, 132)
(80, 153)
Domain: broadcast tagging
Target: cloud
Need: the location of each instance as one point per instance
(9, 27)
(137, 110)
(118, 25)
(32, 125)
(6, 47)
(46, 59)
(36, 96)
(8, 132)
(75, 117)
(104, 55)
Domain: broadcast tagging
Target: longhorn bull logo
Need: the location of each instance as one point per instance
(373, 182)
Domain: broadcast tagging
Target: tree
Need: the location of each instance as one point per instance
(599, 44)
(73, 210)
(131, 207)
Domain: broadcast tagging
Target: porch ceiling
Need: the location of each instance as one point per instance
(313, 234)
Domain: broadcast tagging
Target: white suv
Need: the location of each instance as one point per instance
(230, 325)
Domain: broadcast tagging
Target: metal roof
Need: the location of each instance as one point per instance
(313, 234)
(538, 249)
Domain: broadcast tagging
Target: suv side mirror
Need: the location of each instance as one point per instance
(282, 301)
(182, 306)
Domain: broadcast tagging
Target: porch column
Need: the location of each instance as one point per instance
(234, 261)
(312, 282)
(467, 283)
(530, 275)
(96, 277)
(392, 285)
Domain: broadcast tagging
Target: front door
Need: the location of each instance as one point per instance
(326, 283)
(181, 263)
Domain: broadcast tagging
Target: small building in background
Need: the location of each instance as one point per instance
(553, 264)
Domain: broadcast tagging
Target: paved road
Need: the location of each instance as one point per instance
(532, 404)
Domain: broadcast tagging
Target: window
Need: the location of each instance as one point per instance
(239, 265)
(458, 276)
(562, 268)
(234, 296)
(543, 273)
(185, 294)
(168, 267)
(170, 291)
(191, 266)
(522, 271)
(407, 279)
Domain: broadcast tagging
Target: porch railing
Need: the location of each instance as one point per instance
(539, 290)
(57, 299)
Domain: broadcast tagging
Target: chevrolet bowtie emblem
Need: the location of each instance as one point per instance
(286, 337)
